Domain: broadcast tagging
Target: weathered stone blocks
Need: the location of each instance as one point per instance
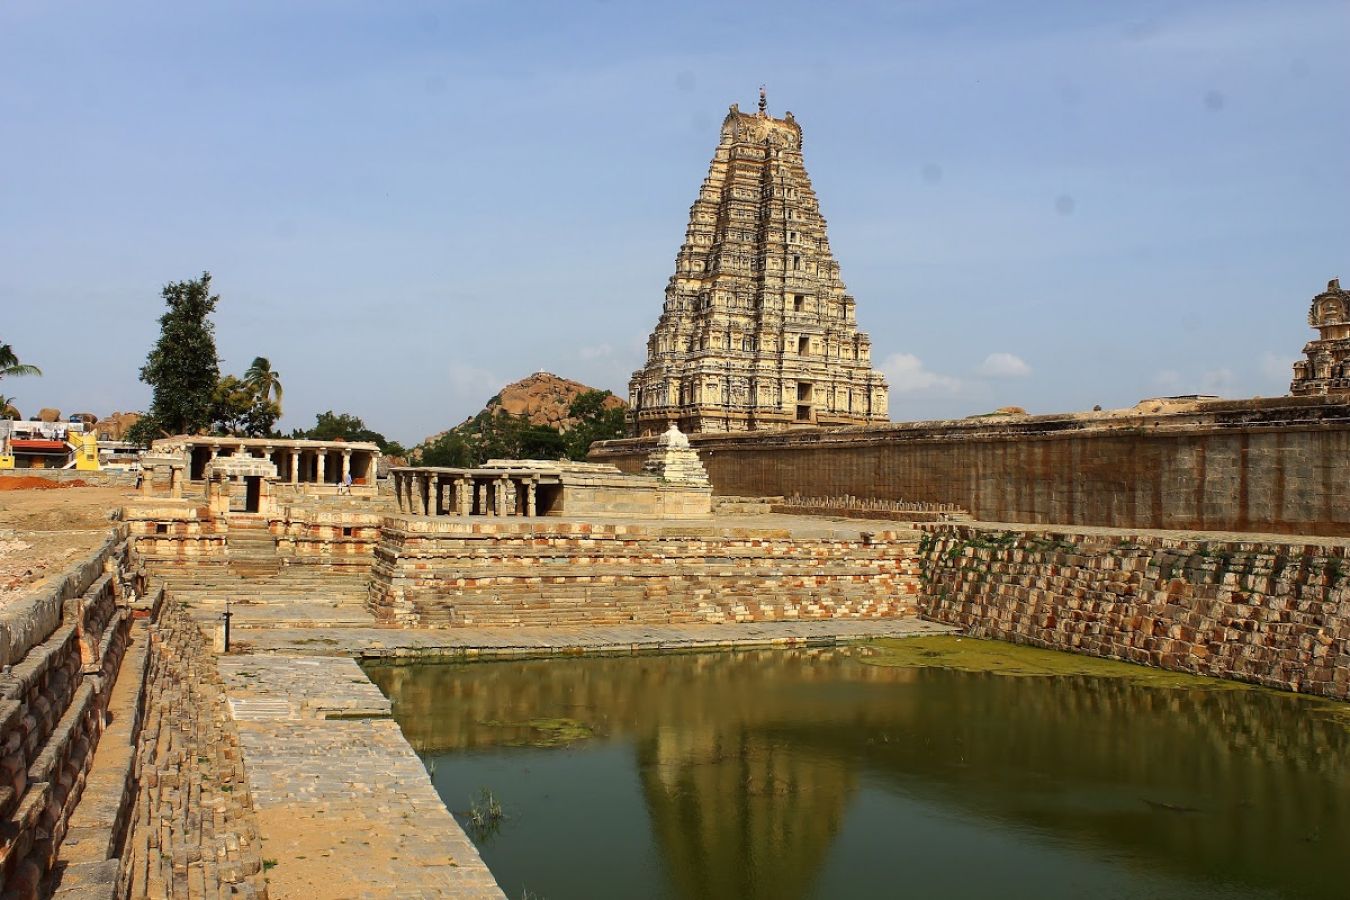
(445, 573)
(1273, 613)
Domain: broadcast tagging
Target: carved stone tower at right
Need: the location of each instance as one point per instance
(1326, 366)
(757, 331)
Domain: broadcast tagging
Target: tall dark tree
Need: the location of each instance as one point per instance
(183, 368)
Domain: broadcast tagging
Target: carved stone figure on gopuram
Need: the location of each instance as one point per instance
(757, 331)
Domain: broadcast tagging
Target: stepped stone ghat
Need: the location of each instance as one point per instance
(422, 571)
(1267, 611)
(445, 573)
(127, 773)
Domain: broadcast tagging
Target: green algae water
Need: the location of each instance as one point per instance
(922, 768)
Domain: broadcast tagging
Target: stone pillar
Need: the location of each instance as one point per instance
(346, 464)
(499, 505)
(530, 509)
(321, 460)
(397, 478)
(177, 475)
(466, 496)
(295, 467)
(435, 495)
(148, 480)
(483, 499)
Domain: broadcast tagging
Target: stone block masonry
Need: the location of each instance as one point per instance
(1267, 611)
(443, 573)
(1269, 466)
(193, 830)
(61, 647)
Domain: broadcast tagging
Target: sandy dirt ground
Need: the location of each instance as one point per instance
(42, 532)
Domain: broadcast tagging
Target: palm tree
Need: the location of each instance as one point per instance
(7, 408)
(10, 365)
(263, 380)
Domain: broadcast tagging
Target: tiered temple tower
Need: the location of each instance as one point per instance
(757, 331)
(1327, 366)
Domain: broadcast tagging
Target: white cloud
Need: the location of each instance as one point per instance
(907, 375)
(1168, 380)
(599, 351)
(1218, 381)
(1003, 365)
(1276, 367)
(473, 384)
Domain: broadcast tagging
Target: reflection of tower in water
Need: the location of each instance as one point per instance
(739, 812)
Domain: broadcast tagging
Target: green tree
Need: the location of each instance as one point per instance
(595, 422)
(10, 365)
(264, 381)
(182, 368)
(7, 408)
(331, 426)
(238, 408)
(449, 450)
(230, 403)
(504, 436)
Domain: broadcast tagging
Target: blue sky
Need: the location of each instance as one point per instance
(405, 206)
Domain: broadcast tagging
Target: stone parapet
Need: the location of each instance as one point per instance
(1267, 611)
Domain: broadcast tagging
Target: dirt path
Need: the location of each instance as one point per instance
(43, 531)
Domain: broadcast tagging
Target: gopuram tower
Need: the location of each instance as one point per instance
(1325, 367)
(757, 331)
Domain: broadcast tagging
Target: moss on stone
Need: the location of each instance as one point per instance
(975, 655)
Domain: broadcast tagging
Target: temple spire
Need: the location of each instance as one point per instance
(757, 330)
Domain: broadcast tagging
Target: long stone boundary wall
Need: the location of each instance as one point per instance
(1271, 612)
(60, 647)
(1277, 465)
(442, 573)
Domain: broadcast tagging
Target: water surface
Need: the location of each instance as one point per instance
(812, 774)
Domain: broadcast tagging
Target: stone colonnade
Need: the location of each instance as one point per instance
(299, 462)
(464, 492)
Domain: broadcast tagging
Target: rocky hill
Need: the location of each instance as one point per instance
(543, 398)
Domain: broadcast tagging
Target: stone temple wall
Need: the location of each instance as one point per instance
(1278, 465)
(446, 573)
(61, 646)
(1270, 612)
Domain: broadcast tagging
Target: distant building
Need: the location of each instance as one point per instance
(757, 331)
(48, 445)
(1326, 366)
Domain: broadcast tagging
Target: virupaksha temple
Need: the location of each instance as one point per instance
(758, 330)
